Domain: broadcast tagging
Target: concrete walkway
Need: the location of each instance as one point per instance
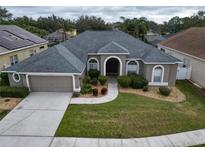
(111, 95)
(174, 140)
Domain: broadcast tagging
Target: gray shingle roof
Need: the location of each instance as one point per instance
(13, 37)
(71, 55)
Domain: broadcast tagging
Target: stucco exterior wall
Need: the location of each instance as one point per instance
(21, 83)
(198, 66)
(169, 73)
(21, 54)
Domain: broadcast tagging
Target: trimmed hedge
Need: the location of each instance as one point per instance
(165, 91)
(86, 89)
(138, 81)
(145, 88)
(86, 80)
(20, 92)
(124, 81)
(102, 80)
(95, 92)
(93, 73)
(103, 91)
(4, 79)
(94, 81)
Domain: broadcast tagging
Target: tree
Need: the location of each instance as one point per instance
(4, 14)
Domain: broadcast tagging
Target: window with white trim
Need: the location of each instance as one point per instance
(93, 64)
(157, 74)
(132, 67)
(13, 59)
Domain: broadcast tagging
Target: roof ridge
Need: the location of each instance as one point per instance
(70, 57)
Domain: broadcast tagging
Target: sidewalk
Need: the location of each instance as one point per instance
(111, 95)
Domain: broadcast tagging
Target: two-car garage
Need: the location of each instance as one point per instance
(51, 83)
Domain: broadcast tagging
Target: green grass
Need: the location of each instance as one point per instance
(200, 145)
(135, 116)
(3, 114)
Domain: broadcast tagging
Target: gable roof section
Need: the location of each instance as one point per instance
(190, 41)
(113, 47)
(13, 37)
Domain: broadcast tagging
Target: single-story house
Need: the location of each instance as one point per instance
(111, 52)
(189, 47)
(17, 44)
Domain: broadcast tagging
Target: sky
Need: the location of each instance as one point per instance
(108, 13)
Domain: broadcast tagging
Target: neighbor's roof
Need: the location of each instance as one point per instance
(13, 37)
(190, 41)
(71, 55)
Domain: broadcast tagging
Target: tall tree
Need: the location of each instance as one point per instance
(4, 14)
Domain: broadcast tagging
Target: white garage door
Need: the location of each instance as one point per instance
(51, 83)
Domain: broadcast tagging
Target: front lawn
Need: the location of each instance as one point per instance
(3, 114)
(136, 116)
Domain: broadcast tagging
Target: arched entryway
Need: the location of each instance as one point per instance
(113, 66)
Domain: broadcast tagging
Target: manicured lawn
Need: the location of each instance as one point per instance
(135, 116)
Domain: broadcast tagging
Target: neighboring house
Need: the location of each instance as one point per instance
(61, 67)
(16, 44)
(189, 47)
(59, 36)
(153, 38)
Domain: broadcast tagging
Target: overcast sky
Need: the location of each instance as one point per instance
(109, 14)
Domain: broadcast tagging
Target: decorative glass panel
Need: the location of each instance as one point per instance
(158, 74)
(93, 64)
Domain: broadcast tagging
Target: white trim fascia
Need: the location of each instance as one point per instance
(74, 88)
(161, 46)
(138, 66)
(155, 63)
(3, 53)
(88, 68)
(133, 59)
(153, 69)
(158, 83)
(105, 61)
(27, 82)
(112, 53)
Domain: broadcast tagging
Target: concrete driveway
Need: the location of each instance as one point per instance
(39, 114)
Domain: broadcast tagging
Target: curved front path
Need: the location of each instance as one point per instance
(111, 95)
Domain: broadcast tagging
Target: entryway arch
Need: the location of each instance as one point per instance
(112, 66)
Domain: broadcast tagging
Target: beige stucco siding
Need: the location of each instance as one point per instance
(21, 54)
(169, 73)
(198, 66)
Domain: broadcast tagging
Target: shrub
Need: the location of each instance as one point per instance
(102, 80)
(93, 73)
(86, 89)
(95, 92)
(20, 92)
(124, 81)
(94, 81)
(76, 94)
(138, 82)
(145, 88)
(4, 79)
(165, 91)
(86, 80)
(103, 91)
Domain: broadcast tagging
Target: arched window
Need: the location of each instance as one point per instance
(132, 67)
(93, 64)
(158, 74)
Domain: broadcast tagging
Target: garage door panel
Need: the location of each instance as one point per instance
(51, 84)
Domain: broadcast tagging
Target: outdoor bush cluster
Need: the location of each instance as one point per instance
(95, 92)
(124, 81)
(103, 91)
(86, 80)
(146, 88)
(20, 92)
(4, 79)
(138, 81)
(93, 73)
(134, 81)
(102, 80)
(165, 91)
(94, 81)
(86, 89)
